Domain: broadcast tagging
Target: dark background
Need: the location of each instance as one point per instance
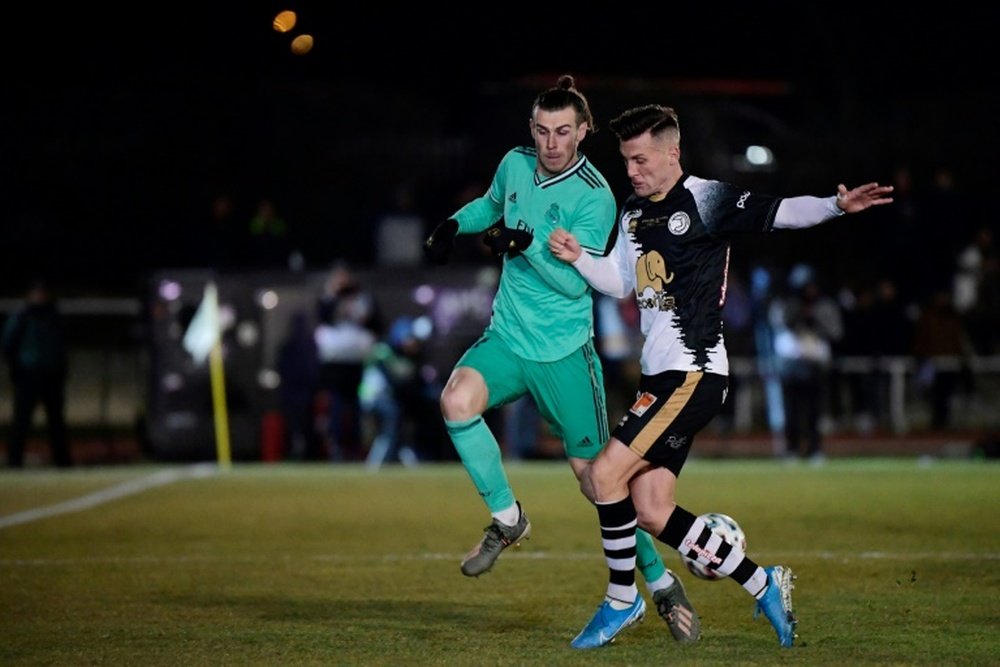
(121, 124)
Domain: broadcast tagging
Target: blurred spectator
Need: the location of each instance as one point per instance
(761, 294)
(942, 349)
(298, 368)
(349, 324)
(806, 324)
(976, 290)
(985, 318)
(34, 344)
(737, 313)
(877, 328)
(945, 223)
(893, 337)
(400, 400)
(860, 347)
(893, 325)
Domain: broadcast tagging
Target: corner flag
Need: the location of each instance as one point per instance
(203, 340)
(203, 331)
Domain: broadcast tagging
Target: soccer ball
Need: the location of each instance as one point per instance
(720, 524)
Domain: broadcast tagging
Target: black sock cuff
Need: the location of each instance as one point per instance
(677, 527)
(618, 513)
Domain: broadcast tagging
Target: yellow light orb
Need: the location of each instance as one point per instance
(302, 45)
(285, 21)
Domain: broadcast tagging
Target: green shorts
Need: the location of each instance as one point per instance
(569, 392)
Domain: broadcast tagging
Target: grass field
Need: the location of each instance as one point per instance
(322, 564)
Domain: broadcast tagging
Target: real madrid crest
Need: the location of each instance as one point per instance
(679, 223)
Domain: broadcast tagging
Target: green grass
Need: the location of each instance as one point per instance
(324, 564)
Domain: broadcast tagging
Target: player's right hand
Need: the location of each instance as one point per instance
(438, 245)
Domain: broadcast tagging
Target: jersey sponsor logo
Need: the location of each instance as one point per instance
(629, 219)
(703, 553)
(676, 441)
(659, 301)
(652, 223)
(679, 223)
(742, 202)
(643, 403)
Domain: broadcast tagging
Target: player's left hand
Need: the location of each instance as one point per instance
(564, 245)
(862, 197)
(502, 239)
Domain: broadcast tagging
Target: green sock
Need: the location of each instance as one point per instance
(480, 454)
(647, 558)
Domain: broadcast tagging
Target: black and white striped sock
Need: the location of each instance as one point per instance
(692, 538)
(618, 526)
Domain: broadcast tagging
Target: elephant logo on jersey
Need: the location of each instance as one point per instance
(679, 223)
(651, 271)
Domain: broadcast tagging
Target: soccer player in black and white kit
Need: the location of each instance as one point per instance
(673, 250)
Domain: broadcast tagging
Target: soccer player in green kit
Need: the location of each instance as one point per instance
(540, 337)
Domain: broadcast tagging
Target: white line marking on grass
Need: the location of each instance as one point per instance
(535, 555)
(804, 555)
(128, 488)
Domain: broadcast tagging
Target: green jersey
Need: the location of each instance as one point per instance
(543, 309)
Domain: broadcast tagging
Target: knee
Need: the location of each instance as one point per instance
(457, 404)
(600, 483)
(586, 485)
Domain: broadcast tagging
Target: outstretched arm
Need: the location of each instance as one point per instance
(601, 272)
(806, 211)
(862, 197)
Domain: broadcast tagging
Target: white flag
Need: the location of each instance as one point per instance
(203, 331)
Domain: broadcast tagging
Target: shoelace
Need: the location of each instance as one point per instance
(494, 536)
(666, 604)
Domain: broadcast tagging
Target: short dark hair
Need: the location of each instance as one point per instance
(653, 118)
(564, 94)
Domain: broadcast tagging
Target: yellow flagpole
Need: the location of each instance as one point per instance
(219, 404)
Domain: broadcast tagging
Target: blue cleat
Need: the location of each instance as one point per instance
(608, 622)
(776, 603)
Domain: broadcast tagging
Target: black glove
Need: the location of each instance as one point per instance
(501, 239)
(438, 245)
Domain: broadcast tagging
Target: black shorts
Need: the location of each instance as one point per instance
(670, 408)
